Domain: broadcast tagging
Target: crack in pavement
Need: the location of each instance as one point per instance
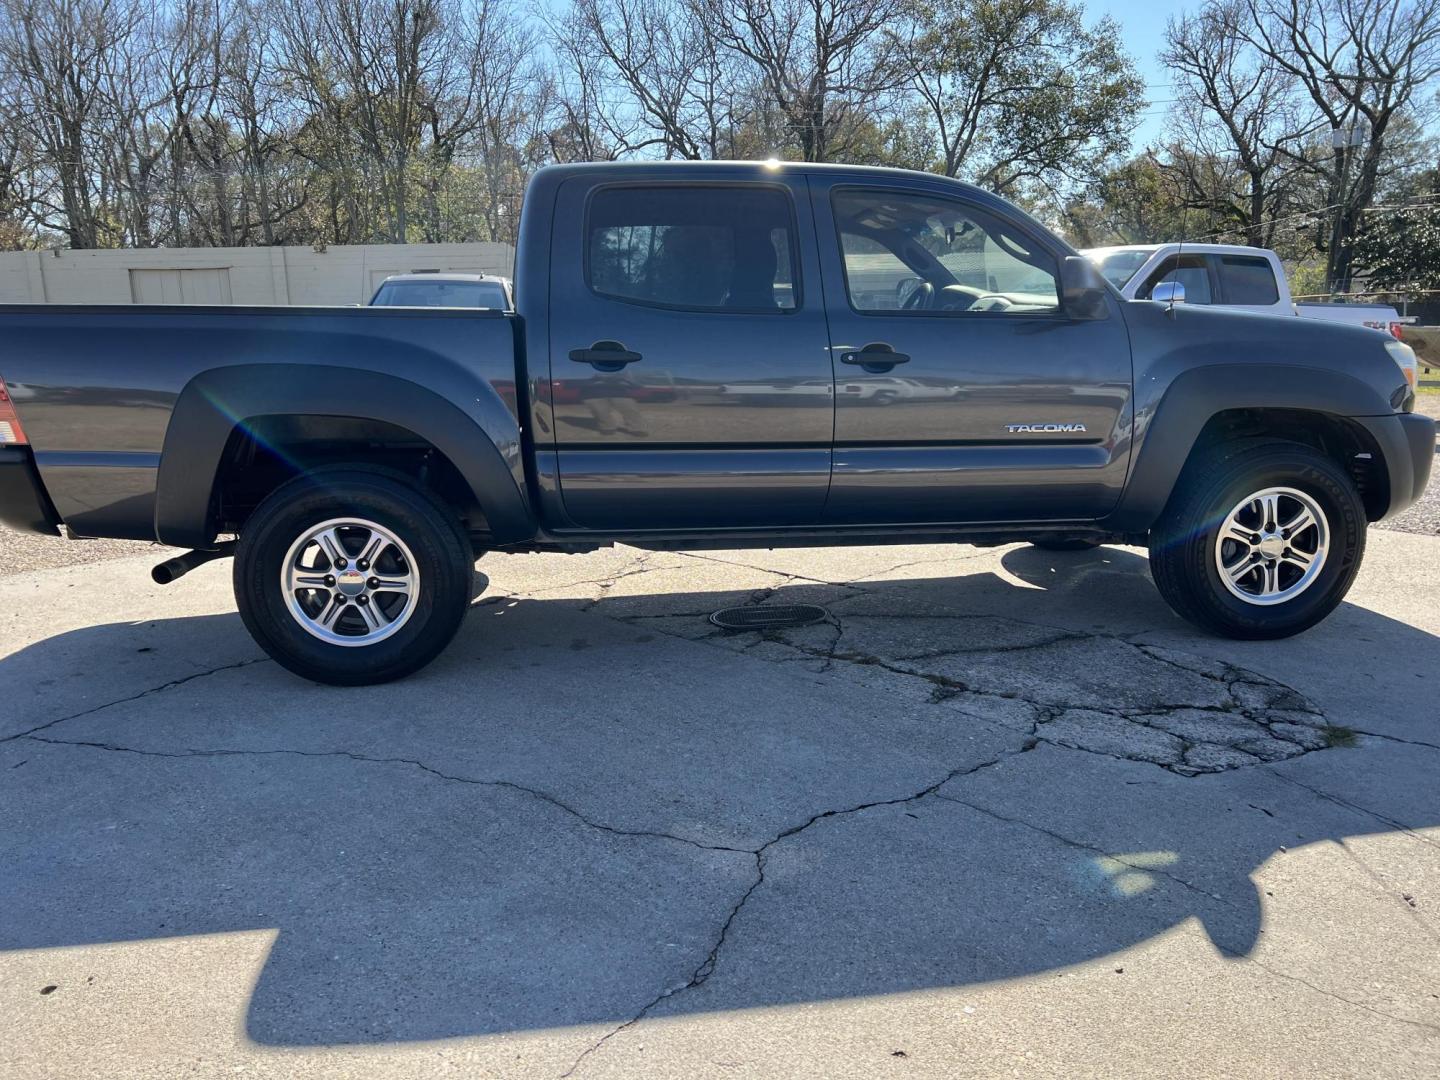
(511, 785)
(1083, 846)
(1161, 872)
(1283, 723)
(760, 854)
(708, 965)
(1232, 678)
(1242, 958)
(947, 687)
(136, 697)
(1393, 823)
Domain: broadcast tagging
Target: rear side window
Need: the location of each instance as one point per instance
(1246, 279)
(699, 248)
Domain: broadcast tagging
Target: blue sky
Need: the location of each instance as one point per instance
(1142, 26)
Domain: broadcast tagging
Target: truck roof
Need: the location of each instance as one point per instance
(767, 166)
(1198, 249)
(552, 176)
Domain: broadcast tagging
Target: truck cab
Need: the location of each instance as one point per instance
(729, 343)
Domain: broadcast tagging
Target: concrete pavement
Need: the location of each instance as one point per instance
(1001, 814)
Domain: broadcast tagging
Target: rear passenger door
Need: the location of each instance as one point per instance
(690, 380)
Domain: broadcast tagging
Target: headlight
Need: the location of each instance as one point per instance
(1403, 355)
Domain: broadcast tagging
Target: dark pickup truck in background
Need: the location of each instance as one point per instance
(714, 355)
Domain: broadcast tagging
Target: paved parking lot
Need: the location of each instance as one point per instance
(1001, 814)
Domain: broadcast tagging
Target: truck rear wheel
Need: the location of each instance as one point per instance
(1260, 540)
(352, 576)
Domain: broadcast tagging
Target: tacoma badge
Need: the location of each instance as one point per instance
(1033, 428)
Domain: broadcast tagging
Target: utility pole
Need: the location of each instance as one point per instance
(1345, 144)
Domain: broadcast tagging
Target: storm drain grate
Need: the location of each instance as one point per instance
(767, 618)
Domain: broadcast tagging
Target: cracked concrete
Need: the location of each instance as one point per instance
(1000, 812)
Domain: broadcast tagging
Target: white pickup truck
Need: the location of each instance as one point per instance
(1249, 278)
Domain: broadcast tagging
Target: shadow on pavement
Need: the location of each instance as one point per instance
(450, 856)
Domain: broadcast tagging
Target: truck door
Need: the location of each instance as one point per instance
(963, 392)
(690, 379)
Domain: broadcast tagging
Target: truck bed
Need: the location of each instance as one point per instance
(97, 385)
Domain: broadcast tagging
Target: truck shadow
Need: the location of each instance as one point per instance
(450, 857)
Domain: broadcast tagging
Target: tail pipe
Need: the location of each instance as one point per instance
(173, 569)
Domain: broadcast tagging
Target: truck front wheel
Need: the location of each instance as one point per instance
(1260, 540)
(351, 576)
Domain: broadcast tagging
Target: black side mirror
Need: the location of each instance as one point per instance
(1082, 289)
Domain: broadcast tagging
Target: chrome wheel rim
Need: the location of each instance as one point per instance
(350, 582)
(1272, 546)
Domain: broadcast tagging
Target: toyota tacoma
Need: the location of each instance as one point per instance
(714, 355)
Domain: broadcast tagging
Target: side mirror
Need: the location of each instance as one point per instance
(1168, 292)
(1082, 289)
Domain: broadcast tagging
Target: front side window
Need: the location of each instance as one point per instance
(1191, 272)
(697, 248)
(927, 254)
(1248, 279)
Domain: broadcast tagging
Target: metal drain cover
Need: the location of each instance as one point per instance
(766, 618)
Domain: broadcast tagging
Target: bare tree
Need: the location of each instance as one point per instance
(1365, 65)
(61, 56)
(260, 119)
(512, 107)
(820, 63)
(364, 69)
(1241, 132)
(660, 64)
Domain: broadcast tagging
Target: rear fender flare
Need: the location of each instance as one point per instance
(483, 443)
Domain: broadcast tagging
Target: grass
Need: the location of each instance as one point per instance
(1335, 735)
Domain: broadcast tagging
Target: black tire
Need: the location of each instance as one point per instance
(433, 534)
(1182, 544)
(1073, 544)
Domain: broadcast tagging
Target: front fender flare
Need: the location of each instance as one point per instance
(485, 449)
(1166, 429)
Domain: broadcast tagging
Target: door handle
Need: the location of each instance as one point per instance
(875, 357)
(605, 355)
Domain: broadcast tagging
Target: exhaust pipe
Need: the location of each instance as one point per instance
(176, 568)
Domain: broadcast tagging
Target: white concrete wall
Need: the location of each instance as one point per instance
(256, 275)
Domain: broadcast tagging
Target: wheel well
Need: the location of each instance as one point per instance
(1343, 441)
(264, 452)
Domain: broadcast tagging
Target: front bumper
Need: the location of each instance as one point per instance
(23, 502)
(1407, 445)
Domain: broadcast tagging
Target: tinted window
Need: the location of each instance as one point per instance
(1247, 279)
(462, 294)
(703, 248)
(1191, 272)
(916, 253)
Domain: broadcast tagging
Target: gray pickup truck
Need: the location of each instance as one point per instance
(714, 355)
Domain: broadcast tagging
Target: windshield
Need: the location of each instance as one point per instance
(1118, 267)
(461, 294)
